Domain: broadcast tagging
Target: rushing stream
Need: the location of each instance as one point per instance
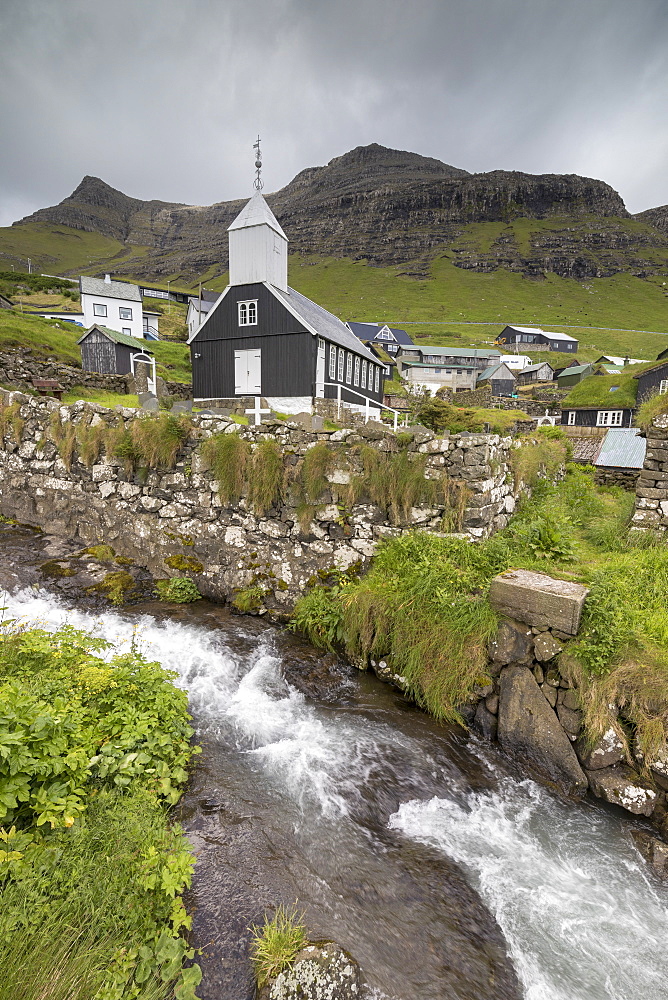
(441, 870)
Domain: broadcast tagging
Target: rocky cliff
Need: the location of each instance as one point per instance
(390, 207)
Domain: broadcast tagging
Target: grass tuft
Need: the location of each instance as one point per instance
(227, 456)
(276, 943)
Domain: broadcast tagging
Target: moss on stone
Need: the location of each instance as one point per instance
(250, 600)
(104, 553)
(117, 586)
(55, 568)
(184, 563)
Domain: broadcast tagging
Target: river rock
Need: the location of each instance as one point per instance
(546, 647)
(513, 643)
(485, 722)
(538, 599)
(570, 720)
(322, 971)
(653, 850)
(550, 694)
(606, 751)
(529, 728)
(621, 785)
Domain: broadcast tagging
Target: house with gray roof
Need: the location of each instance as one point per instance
(534, 339)
(389, 338)
(499, 378)
(116, 305)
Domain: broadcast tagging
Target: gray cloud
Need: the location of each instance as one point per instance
(163, 99)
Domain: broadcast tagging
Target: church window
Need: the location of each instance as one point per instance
(248, 312)
(332, 361)
(349, 368)
(340, 370)
(364, 374)
(377, 378)
(357, 371)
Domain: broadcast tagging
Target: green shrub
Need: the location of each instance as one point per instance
(653, 407)
(250, 600)
(276, 944)
(177, 590)
(537, 457)
(118, 587)
(318, 615)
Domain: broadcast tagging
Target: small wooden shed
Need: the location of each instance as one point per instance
(108, 352)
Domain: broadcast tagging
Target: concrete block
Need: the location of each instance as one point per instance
(537, 599)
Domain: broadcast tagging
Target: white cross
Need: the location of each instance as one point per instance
(257, 411)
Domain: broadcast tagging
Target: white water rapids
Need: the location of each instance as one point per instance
(582, 918)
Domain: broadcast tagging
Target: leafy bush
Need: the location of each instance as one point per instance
(94, 752)
(178, 590)
(249, 600)
(276, 944)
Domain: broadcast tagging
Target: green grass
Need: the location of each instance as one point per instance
(275, 944)
(606, 390)
(101, 396)
(61, 250)
(423, 605)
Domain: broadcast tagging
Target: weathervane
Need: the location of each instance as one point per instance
(257, 183)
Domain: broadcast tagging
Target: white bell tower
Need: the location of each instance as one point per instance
(258, 245)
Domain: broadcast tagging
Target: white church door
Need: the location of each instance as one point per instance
(248, 373)
(320, 370)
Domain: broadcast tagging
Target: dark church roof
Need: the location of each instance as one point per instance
(321, 322)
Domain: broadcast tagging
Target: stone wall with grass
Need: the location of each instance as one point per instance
(248, 513)
(651, 510)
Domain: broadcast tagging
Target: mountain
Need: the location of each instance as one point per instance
(388, 207)
(657, 217)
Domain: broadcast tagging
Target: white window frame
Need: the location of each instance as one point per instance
(663, 386)
(609, 418)
(357, 371)
(364, 367)
(339, 372)
(349, 368)
(571, 418)
(247, 312)
(124, 309)
(332, 362)
(99, 309)
(377, 378)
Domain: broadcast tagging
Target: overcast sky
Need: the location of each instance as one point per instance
(163, 98)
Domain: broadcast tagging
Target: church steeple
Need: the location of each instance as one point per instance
(258, 245)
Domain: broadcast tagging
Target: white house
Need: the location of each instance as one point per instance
(116, 305)
(516, 362)
(198, 309)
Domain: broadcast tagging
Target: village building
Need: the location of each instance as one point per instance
(499, 378)
(540, 340)
(652, 381)
(389, 338)
(433, 368)
(573, 375)
(541, 372)
(615, 362)
(516, 362)
(199, 307)
(596, 416)
(116, 305)
(264, 339)
(112, 353)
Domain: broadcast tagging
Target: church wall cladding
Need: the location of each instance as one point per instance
(651, 507)
(172, 522)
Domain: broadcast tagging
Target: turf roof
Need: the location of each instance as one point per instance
(613, 391)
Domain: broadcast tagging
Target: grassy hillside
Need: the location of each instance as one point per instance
(61, 250)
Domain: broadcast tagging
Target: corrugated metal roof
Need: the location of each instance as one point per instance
(534, 368)
(256, 212)
(119, 338)
(112, 289)
(545, 333)
(574, 370)
(611, 359)
(322, 322)
(495, 369)
(622, 448)
(458, 352)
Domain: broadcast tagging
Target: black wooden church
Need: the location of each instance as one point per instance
(262, 338)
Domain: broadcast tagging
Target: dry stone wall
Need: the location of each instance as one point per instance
(652, 489)
(172, 521)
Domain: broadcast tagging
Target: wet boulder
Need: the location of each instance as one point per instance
(529, 728)
(621, 786)
(607, 750)
(653, 850)
(513, 643)
(322, 971)
(485, 722)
